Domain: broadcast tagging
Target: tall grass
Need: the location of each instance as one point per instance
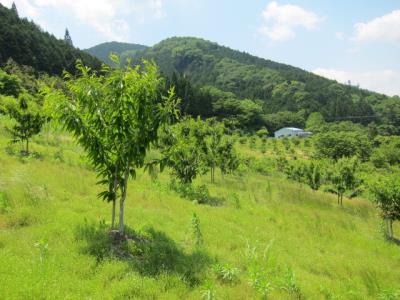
(270, 237)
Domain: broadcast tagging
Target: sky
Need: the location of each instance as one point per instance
(356, 41)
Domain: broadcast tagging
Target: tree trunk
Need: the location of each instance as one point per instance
(122, 202)
(115, 188)
(387, 230)
(338, 198)
(113, 215)
(27, 146)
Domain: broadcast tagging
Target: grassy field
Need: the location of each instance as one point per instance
(267, 237)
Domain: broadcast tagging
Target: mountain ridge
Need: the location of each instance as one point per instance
(102, 51)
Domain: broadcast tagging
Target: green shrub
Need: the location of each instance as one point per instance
(263, 165)
(199, 194)
(243, 140)
(263, 132)
(342, 144)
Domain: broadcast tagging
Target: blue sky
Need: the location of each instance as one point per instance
(357, 40)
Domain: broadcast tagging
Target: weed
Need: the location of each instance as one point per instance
(208, 292)
(289, 284)
(43, 248)
(234, 197)
(257, 267)
(226, 273)
(196, 232)
(260, 283)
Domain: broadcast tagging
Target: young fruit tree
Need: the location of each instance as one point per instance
(182, 149)
(387, 198)
(115, 117)
(27, 115)
(344, 177)
(213, 140)
(228, 160)
(313, 176)
(218, 148)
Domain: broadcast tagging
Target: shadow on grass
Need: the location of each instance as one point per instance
(394, 240)
(199, 194)
(150, 252)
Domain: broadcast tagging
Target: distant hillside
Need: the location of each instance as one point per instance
(276, 87)
(102, 51)
(27, 44)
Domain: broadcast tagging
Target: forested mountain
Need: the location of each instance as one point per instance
(279, 86)
(250, 91)
(27, 44)
(124, 50)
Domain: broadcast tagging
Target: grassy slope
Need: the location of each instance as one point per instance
(334, 253)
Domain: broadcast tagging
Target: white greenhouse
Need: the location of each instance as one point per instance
(291, 131)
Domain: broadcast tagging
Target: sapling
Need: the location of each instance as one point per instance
(116, 118)
(387, 198)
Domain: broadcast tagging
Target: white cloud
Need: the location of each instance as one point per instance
(383, 81)
(339, 35)
(108, 17)
(381, 29)
(280, 21)
(102, 15)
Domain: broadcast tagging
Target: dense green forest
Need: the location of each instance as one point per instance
(124, 50)
(27, 44)
(251, 92)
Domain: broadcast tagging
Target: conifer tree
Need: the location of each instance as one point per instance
(14, 9)
(67, 38)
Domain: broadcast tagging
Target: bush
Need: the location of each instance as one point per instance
(378, 159)
(243, 140)
(263, 166)
(342, 144)
(263, 132)
(10, 85)
(388, 152)
(200, 194)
